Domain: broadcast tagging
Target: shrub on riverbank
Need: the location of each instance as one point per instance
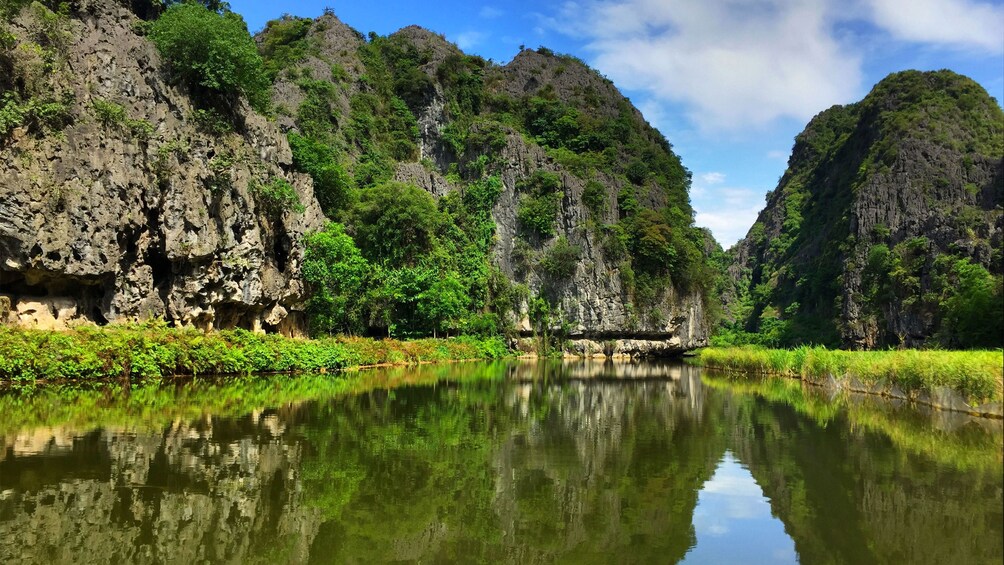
(151, 351)
(975, 374)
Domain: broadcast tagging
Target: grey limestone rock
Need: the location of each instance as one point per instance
(124, 226)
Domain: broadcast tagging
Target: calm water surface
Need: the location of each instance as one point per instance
(519, 463)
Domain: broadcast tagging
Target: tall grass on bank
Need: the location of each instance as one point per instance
(975, 374)
(151, 351)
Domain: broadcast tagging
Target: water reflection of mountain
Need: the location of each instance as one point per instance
(606, 467)
(845, 497)
(196, 492)
(540, 463)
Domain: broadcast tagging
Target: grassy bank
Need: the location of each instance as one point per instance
(977, 375)
(151, 352)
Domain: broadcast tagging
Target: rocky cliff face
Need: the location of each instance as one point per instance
(860, 242)
(596, 299)
(127, 209)
(130, 205)
(474, 126)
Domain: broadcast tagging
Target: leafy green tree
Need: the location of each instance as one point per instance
(317, 115)
(214, 5)
(560, 259)
(336, 275)
(594, 196)
(652, 243)
(462, 77)
(396, 223)
(444, 303)
(284, 43)
(212, 52)
(973, 314)
(332, 184)
(539, 203)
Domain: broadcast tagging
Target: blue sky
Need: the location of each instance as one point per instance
(728, 82)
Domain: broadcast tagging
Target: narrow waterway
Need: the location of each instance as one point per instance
(506, 462)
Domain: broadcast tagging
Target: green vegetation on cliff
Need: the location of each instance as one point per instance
(388, 81)
(34, 92)
(212, 53)
(876, 235)
(452, 191)
(414, 267)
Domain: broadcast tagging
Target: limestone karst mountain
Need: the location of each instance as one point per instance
(125, 200)
(529, 198)
(886, 227)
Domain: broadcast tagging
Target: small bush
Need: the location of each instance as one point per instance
(277, 196)
(594, 196)
(537, 213)
(109, 113)
(212, 122)
(35, 114)
(539, 203)
(560, 259)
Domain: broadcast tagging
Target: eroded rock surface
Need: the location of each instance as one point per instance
(106, 222)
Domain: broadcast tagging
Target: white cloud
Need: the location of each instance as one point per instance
(732, 64)
(736, 64)
(713, 178)
(489, 12)
(469, 39)
(727, 211)
(778, 154)
(955, 23)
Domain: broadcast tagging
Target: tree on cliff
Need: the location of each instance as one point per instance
(212, 52)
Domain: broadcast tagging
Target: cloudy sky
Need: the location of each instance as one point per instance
(728, 82)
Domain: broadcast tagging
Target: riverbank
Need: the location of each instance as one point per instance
(152, 351)
(966, 381)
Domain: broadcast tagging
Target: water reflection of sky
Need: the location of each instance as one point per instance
(733, 521)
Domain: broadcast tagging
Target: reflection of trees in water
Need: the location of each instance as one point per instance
(604, 467)
(527, 462)
(512, 471)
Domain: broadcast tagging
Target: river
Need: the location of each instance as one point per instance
(549, 462)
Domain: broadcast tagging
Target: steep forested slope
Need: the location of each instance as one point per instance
(159, 163)
(886, 227)
(546, 199)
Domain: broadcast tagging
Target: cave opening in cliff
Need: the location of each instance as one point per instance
(230, 316)
(280, 248)
(15, 283)
(66, 297)
(160, 268)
